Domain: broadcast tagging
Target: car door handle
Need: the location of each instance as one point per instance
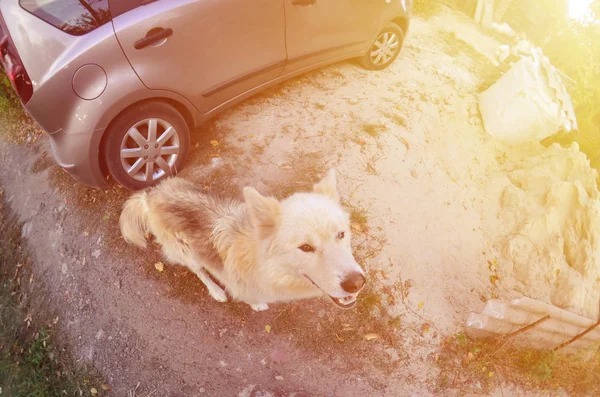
(152, 38)
(303, 3)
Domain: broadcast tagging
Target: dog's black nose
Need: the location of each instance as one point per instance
(353, 282)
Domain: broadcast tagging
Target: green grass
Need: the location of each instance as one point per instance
(482, 365)
(31, 365)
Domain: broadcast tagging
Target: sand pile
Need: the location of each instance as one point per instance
(551, 211)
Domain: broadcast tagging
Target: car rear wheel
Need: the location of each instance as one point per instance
(145, 144)
(385, 48)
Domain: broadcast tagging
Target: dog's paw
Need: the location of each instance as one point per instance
(218, 294)
(260, 307)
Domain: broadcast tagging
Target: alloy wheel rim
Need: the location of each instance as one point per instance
(384, 48)
(149, 150)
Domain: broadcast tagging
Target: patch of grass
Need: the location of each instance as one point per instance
(374, 130)
(15, 123)
(476, 365)
(359, 219)
(426, 8)
(30, 363)
(480, 64)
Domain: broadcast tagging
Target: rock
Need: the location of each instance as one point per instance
(475, 121)
(394, 356)
(473, 110)
(26, 229)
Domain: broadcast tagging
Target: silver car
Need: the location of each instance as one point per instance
(119, 84)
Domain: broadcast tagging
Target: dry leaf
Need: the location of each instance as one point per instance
(420, 306)
(356, 227)
(279, 377)
(339, 338)
(214, 143)
(159, 266)
(404, 142)
(93, 391)
(491, 374)
(371, 336)
(268, 329)
(105, 387)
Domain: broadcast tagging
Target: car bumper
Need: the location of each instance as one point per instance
(78, 155)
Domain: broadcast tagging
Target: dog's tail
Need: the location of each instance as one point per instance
(134, 219)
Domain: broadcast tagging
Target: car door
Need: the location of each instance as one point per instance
(322, 30)
(206, 50)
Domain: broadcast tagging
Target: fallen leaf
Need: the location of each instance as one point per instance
(105, 387)
(404, 142)
(420, 305)
(159, 266)
(371, 336)
(491, 374)
(268, 329)
(93, 391)
(356, 227)
(339, 338)
(214, 143)
(279, 377)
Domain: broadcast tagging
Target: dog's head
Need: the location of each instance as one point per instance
(308, 236)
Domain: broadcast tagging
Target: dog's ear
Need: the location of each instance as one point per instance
(328, 186)
(265, 211)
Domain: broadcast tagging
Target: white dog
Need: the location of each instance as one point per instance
(262, 250)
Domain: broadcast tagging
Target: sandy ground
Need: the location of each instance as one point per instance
(414, 168)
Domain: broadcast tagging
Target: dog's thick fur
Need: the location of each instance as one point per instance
(262, 250)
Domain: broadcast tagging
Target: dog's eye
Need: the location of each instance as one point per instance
(307, 248)
(341, 235)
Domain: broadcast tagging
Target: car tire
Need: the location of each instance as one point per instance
(381, 55)
(138, 158)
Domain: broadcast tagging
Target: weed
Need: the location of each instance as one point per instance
(468, 364)
(426, 8)
(30, 363)
(397, 119)
(374, 130)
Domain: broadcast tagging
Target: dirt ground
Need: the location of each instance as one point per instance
(414, 163)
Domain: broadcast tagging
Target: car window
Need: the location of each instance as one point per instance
(76, 17)
(118, 7)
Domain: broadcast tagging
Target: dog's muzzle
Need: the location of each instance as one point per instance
(346, 302)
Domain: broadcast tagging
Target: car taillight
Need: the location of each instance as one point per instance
(13, 66)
